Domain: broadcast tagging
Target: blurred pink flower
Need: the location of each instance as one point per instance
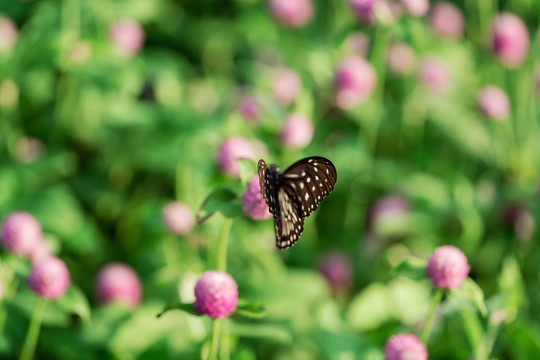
(128, 36)
(248, 106)
(493, 103)
(537, 80)
(355, 81)
(337, 269)
(28, 149)
(216, 294)
(118, 282)
(292, 13)
(49, 278)
(435, 75)
(39, 252)
(388, 213)
(401, 58)
(8, 35)
(447, 20)
(178, 218)
(364, 10)
(416, 8)
(297, 131)
(357, 43)
(521, 219)
(253, 204)
(232, 149)
(509, 39)
(286, 86)
(405, 347)
(447, 267)
(21, 233)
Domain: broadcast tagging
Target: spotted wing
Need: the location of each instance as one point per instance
(268, 187)
(307, 182)
(288, 224)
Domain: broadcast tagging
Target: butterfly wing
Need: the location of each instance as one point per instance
(288, 224)
(262, 170)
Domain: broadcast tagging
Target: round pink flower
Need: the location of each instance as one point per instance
(509, 39)
(250, 109)
(178, 218)
(128, 36)
(8, 35)
(447, 267)
(447, 20)
(21, 233)
(405, 347)
(355, 81)
(230, 151)
(292, 13)
(286, 86)
(216, 294)
(49, 278)
(118, 282)
(364, 10)
(297, 131)
(493, 103)
(357, 43)
(435, 75)
(337, 269)
(253, 204)
(416, 8)
(401, 58)
(387, 212)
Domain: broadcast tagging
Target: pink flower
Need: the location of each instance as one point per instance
(216, 294)
(297, 131)
(401, 58)
(286, 86)
(178, 218)
(230, 151)
(389, 212)
(493, 103)
(357, 43)
(28, 149)
(447, 20)
(405, 347)
(49, 278)
(292, 13)
(248, 106)
(537, 80)
(434, 75)
(336, 267)
(364, 10)
(416, 8)
(253, 204)
(8, 35)
(21, 233)
(509, 39)
(118, 282)
(355, 81)
(447, 267)
(128, 36)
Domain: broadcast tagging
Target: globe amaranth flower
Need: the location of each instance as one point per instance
(447, 267)
(401, 58)
(447, 20)
(292, 13)
(355, 81)
(249, 108)
(286, 86)
(336, 267)
(178, 218)
(128, 36)
(21, 233)
(253, 204)
(493, 103)
(8, 35)
(49, 278)
(416, 8)
(230, 151)
(434, 74)
(118, 282)
(509, 39)
(216, 294)
(405, 347)
(297, 131)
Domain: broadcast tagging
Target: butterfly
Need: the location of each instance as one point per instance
(295, 194)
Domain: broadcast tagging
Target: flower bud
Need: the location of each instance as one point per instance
(447, 20)
(253, 204)
(178, 218)
(297, 131)
(49, 278)
(286, 86)
(405, 347)
(21, 233)
(509, 39)
(128, 36)
(230, 151)
(434, 75)
(493, 103)
(364, 10)
(447, 267)
(249, 108)
(336, 267)
(118, 282)
(216, 294)
(292, 13)
(355, 81)
(388, 215)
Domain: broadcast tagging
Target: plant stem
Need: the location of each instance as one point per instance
(216, 334)
(32, 335)
(221, 261)
(431, 316)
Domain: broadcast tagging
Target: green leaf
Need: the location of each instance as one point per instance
(251, 309)
(224, 200)
(469, 292)
(75, 302)
(179, 306)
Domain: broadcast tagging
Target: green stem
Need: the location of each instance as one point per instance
(431, 316)
(216, 334)
(221, 261)
(32, 335)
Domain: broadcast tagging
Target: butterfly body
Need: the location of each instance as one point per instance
(294, 194)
